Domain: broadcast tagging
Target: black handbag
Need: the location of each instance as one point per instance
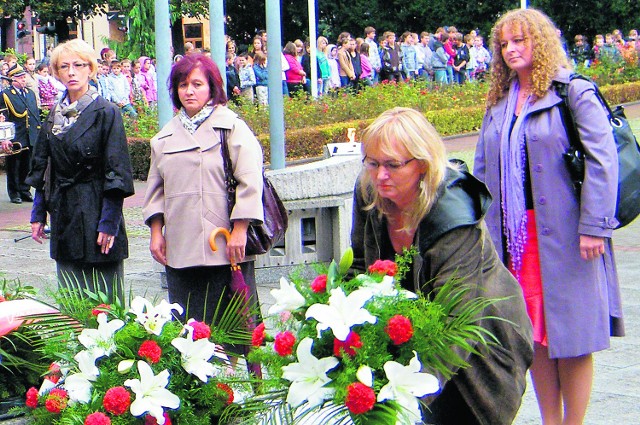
(628, 202)
(260, 237)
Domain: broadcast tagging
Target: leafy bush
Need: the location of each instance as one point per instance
(140, 153)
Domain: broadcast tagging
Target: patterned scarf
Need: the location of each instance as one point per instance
(512, 168)
(66, 113)
(191, 124)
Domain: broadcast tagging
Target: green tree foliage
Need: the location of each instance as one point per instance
(591, 17)
(141, 37)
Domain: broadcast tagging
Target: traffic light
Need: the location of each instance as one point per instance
(22, 30)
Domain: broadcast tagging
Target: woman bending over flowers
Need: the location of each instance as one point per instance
(408, 194)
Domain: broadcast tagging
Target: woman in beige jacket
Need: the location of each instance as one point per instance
(186, 195)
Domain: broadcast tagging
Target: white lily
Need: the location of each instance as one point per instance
(125, 365)
(196, 354)
(151, 393)
(342, 312)
(365, 375)
(153, 317)
(308, 376)
(79, 385)
(384, 288)
(287, 298)
(100, 341)
(406, 384)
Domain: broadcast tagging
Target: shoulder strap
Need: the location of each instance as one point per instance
(568, 120)
(229, 179)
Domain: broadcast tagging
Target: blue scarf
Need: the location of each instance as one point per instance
(513, 168)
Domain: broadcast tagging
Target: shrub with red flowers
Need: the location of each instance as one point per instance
(200, 330)
(358, 349)
(97, 418)
(140, 366)
(57, 400)
(117, 400)
(399, 329)
(348, 346)
(284, 342)
(360, 398)
(319, 284)
(100, 308)
(150, 350)
(384, 267)
(258, 335)
(32, 398)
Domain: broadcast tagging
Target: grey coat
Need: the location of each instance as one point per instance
(453, 242)
(581, 298)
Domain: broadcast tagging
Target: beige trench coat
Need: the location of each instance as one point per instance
(186, 186)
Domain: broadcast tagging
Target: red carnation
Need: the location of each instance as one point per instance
(150, 420)
(399, 329)
(2, 298)
(32, 398)
(257, 338)
(284, 343)
(200, 330)
(116, 400)
(319, 284)
(54, 374)
(360, 398)
(384, 267)
(227, 389)
(97, 418)
(56, 400)
(151, 351)
(101, 308)
(347, 346)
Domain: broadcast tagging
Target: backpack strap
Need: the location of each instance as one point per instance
(562, 90)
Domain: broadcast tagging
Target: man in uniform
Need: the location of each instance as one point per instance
(19, 106)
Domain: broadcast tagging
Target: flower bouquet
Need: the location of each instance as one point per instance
(140, 366)
(20, 366)
(359, 350)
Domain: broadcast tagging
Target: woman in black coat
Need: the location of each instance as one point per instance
(82, 172)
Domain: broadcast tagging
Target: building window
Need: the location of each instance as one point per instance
(193, 34)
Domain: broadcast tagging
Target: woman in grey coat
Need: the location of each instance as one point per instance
(556, 242)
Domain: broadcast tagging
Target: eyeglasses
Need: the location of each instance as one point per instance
(66, 67)
(391, 165)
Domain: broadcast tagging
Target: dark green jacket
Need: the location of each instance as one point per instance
(453, 241)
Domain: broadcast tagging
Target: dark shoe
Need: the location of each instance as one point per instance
(16, 200)
(26, 197)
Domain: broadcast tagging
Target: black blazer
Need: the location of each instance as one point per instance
(88, 163)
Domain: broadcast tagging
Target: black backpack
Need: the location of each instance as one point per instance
(628, 202)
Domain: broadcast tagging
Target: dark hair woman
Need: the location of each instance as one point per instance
(186, 196)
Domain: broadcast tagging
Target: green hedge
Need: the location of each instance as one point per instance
(310, 141)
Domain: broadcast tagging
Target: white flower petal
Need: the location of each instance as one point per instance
(151, 394)
(365, 375)
(342, 312)
(406, 384)
(308, 376)
(125, 366)
(287, 298)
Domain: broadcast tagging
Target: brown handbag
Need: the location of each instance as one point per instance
(262, 236)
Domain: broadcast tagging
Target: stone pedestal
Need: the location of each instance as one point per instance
(319, 198)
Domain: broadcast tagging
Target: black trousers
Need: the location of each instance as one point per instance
(17, 169)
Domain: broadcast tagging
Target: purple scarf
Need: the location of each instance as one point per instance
(512, 170)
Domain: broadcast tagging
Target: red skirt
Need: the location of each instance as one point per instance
(531, 281)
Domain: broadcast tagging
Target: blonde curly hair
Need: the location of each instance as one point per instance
(548, 54)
